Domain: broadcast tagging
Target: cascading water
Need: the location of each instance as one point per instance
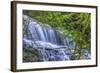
(49, 42)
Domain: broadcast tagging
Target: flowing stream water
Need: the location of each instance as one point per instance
(48, 41)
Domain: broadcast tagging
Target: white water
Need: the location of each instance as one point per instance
(53, 46)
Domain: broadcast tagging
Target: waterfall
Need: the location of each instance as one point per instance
(49, 41)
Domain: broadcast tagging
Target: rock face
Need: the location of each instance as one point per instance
(50, 43)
